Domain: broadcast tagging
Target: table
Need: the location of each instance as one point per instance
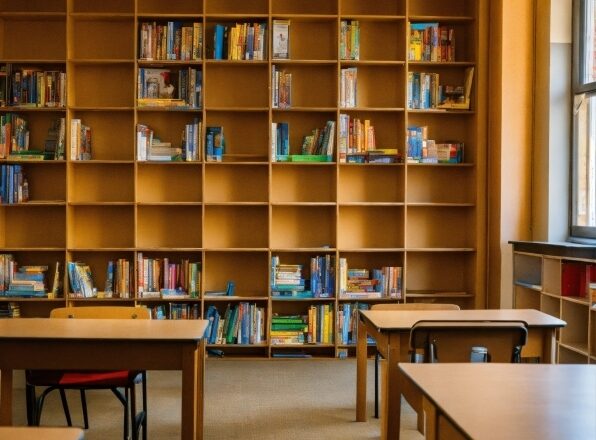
(40, 433)
(506, 401)
(391, 331)
(107, 344)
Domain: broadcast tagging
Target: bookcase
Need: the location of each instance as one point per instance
(560, 279)
(234, 216)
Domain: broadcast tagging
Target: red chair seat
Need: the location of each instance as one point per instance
(114, 379)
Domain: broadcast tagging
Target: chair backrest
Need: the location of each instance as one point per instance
(415, 306)
(101, 312)
(453, 341)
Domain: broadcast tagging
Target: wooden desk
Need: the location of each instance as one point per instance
(40, 433)
(509, 401)
(107, 344)
(391, 331)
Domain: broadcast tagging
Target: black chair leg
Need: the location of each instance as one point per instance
(133, 412)
(377, 356)
(65, 406)
(144, 388)
(84, 406)
(30, 399)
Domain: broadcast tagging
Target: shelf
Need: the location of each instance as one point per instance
(169, 226)
(303, 226)
(236, 226)
(239, 267)
(578, 348)
(225, 298)
(437, 294)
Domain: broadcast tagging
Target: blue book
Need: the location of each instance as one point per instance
(245, 323)
(213, 336)
(218, 42)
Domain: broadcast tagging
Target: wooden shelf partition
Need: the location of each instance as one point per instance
(232, 217)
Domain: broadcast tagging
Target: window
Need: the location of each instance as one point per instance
(583, 221)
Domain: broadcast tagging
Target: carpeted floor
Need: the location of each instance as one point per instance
(244, 399)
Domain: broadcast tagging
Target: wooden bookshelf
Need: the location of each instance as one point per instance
(539, 282)
(234, 216)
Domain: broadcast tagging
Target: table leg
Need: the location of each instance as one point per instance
(200, 390)
(361, 373)
(391, 415)
(190, 406)
(430, 418)
(5, 397)
(548, 346)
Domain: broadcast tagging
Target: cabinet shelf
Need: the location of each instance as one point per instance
(108, 16)
(577, 347)
(36, 16)
(437, 294)
(441, 18)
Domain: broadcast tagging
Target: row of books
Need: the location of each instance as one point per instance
(361, 283)
(15, 139)
(349, 40)
(242, 41)
(176, 311)
(280, 140)
(321, 141)
(27, 280)
(314, 328)
(431, 42)
(119, 279)
(151, 148)
(355, 136)
(290, 279)
(14, 187)
(170, 88)
(80, 140)
(241, 323)
(347, 322)
(159, 277)
(10, 309)
(425, 91)
(424, 150)
(172, 40)
(281, 88)
(14, 134)
(348, 91)
(33, 87)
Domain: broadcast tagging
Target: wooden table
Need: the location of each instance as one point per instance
(391, 331)
(40, 433)
(506, 401)
(107, 344)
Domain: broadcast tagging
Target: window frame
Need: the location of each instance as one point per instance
(587, 233)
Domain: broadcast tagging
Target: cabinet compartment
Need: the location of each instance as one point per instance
(380, 87)
(178, 182)
(101, 227)
(551, 275)
(550, 305)
(453, 8)
(370, 184)
(315, 7)
(236, 227)
(248, 270)
(98, 263)
(103, 39)
(246, 7)
(441, 184)
(567, 356)
(525, 298)
(379, 7)
(42, 258)
(168, 226)
(47, 181)
(25, 226)
(38, 123)
(440, 227)
(448, 126)
(112, 133)
(382, 40)
(236, 183)
(39, 6)
(168, 126)
(113, 85)
(440, 273)
(302, 227)
(593, 334)
(362, 227)
(527, 271)
(22, 38)
(90, 182)
(312, 86)
(575, 333)
(246, 134)
(237, 85)
(105, 6)
(313, 39)
(389, 126)
(301, 124)
(302, 183)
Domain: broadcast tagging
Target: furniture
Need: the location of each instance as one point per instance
(485, 401)
(234, 216)
(391, 331)
(554, 278)
(402, 306)
(83, 380)
(459, 341)
(40, 433)
(107, 344)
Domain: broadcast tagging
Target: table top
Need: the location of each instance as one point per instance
(405, 319)
(512, 401)
(40, 433)
(103, 329)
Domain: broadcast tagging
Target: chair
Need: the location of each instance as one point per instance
(86, 380)
(454, 341)
(403, 307)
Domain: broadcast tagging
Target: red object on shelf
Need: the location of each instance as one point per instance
(576, 278)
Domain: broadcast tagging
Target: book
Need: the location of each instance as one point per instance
(281, 39)
(214, 144)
